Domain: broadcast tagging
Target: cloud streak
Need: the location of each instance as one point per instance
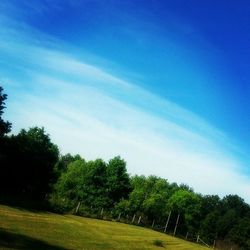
(90, 110)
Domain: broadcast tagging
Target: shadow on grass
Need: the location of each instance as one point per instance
(11, 240)
(23, 203)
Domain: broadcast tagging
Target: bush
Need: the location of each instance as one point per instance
(158, 243)
(60, 205)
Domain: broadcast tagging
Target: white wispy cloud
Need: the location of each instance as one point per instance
(90, 110)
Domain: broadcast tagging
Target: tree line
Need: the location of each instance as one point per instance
(34, 172)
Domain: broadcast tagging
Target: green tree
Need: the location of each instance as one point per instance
(64, 161)
(5, 126)
(96, 182)
(83, 182)
(188, 204)
(138, 194)
(155, 204)
(240, 233)
(118, 183)
(226, 222)
(69, 188)
(209, 227)
(149, 197)
(29, 162)
(71, 183)
(210, 203)
(235, 202)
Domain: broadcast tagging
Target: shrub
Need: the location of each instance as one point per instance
(158, 243)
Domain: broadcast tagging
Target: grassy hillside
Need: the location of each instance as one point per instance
(22, 229)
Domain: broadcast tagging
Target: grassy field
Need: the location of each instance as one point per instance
(22, 229)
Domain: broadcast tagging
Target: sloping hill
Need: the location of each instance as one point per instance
(22, 229)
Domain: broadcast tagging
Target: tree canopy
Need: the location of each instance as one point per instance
(5, 126)
(27, 165)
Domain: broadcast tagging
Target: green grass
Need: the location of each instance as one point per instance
(22, 229)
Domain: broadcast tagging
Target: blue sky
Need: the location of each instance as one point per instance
(164, 84)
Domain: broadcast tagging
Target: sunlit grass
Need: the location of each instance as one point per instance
(22, 229)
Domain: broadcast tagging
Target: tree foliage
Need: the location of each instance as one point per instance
(95, 184)
(27, 165)
(5, 126)
(118, 183)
